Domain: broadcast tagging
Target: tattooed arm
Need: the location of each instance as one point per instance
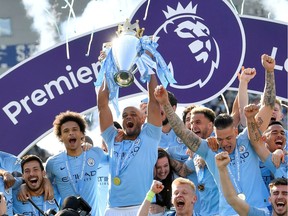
(190, 139)
(180, 168)
(268, 101)
(254, 133)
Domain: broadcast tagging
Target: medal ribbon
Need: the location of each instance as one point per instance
(35, 210)
(122, 165)
(236, 182)
(200, 171)
(72, 182)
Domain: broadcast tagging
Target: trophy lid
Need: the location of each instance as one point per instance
(128, 28)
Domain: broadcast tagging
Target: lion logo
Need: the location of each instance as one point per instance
(184, 23)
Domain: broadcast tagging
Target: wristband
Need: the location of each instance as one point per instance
(150, 195)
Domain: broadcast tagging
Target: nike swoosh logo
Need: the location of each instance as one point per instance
(62, 168)
(99, 167)
(261, 167)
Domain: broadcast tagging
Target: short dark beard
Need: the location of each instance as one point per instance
(165, 122)
(39, 190)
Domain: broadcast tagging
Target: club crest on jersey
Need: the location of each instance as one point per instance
(242, 148)
(90, 162)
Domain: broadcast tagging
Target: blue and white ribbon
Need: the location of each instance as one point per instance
(145, 66)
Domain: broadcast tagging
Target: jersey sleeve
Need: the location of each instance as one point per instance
(48, 168)
(109, 135)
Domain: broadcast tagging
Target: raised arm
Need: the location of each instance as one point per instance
(180, 168)
(268, 101)
(105, 114)
(154, 116)
(240, 206)
(243, 99)
(156, 188)
(189, 138)
(235, 112)
(254, 132)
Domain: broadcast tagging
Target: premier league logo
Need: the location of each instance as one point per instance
(184, 25)
(190, 36)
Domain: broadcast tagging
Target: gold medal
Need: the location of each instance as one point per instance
(116, 180)
(242, 196)
(201, 187)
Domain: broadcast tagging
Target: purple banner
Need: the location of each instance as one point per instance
(204, 48)
(266, 36)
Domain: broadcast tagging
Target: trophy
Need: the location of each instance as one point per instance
(125, 52)
(125, 55)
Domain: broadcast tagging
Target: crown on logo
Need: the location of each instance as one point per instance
(180, 10)
(129, 28)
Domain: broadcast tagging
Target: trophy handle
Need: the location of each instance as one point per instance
(134, 69)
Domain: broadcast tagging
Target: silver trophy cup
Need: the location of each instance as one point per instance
(124, 52)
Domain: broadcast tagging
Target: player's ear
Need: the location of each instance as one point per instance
(194, 199)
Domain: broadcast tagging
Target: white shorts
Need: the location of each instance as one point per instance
(122, 211)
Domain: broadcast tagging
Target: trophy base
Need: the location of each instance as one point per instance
(124, 78)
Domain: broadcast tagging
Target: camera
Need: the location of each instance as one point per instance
(71, 206)
(75, 206)
(50, 212)
(84, 208)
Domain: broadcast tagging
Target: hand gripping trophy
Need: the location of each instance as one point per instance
(124, 56)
